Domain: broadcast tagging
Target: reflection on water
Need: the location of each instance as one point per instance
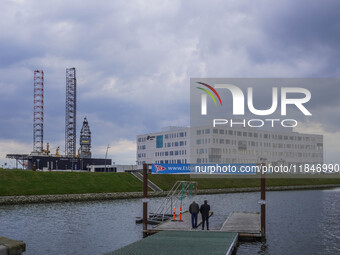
(298, 222)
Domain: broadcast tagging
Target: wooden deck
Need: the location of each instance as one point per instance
(246, 224)
(184, 225)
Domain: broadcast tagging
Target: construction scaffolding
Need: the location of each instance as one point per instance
(38, 111)
(71, 113)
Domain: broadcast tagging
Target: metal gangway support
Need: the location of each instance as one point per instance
(178, 192)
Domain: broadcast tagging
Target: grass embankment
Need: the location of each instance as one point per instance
(166, 182)
(25, 182)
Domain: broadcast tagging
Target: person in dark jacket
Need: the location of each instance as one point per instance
(205, 209)
(194, 210)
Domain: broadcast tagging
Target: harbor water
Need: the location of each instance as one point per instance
(298, 222)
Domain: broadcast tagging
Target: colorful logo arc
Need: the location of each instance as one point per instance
(209, 93)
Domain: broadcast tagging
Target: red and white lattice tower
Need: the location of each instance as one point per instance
(38, 108)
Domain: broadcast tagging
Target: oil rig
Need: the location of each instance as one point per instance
(41, 158)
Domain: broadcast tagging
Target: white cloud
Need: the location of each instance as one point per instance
(122, 151)
(134, 59)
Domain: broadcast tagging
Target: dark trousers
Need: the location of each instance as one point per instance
(205, 219)
(194, 220)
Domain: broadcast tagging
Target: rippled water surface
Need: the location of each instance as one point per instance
(298, 222)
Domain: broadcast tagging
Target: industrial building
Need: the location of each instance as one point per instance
(201, 145)
(113, 168)
(41, 158)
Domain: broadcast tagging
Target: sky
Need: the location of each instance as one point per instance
(134, 60)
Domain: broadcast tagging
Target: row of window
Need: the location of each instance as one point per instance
(175, 135)
(141, 155)
(238, 161)
(141, 147)
(218, 152)
(255, 135)
(175, 144)
(141, 139)
(244, 144)
(170, 153)
(172, 161)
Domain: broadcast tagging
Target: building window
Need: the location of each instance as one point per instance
(242, 145)
(159, 141)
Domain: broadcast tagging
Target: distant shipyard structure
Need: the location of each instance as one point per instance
(71, 113)
(38, 112)
(41, 158)
(85, 140)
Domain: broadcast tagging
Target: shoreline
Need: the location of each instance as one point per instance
(34, 199)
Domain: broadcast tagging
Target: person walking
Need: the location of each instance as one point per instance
(205, 209)
(194, 210)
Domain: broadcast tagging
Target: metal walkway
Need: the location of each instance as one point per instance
(182, 242)
(151, 185)
(178, 237)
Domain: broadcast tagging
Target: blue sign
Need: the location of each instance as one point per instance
(171, 168)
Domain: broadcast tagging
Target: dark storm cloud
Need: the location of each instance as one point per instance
(300, 31)
(134, 58)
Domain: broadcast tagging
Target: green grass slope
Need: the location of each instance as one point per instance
(23, 182)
